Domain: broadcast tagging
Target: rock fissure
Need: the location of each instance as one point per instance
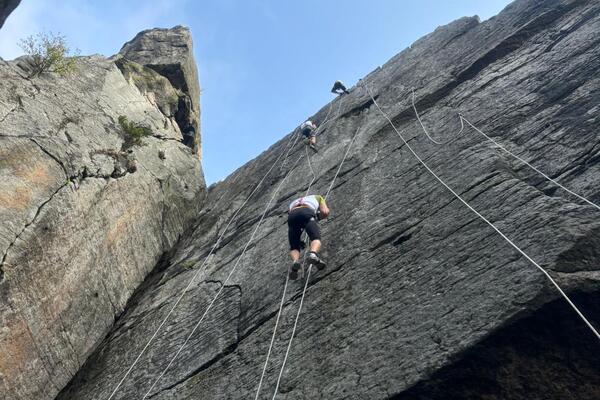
(52, 156)
(8, 114)
(27, 225)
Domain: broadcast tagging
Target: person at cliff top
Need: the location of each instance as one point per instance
(339, 88)
(303, 214)
(309, 129)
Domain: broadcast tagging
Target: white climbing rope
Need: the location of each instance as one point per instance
(462, 125)
(495, 143)
(563, 294)
(287, 352)
(341, 164)
(326, 120)
(264, 370)
(277, 324)
(314, 177)
(462, 118)
(268, 205)
(312, 171)
(284, 162)
(327, 115)
(419, 119)
(282, 302)
(189, 285)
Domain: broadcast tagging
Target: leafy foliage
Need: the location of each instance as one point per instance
(134, 132)
(49, 53)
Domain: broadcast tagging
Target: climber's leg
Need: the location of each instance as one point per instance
(312, 142)
(313, 232)
(315, 246)
(295, 223)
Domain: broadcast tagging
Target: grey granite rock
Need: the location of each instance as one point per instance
(170, 53)
(421, 299)
(7, 7)
(85, 214)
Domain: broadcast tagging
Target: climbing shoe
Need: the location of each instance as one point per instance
(294, 270)
(315, 260)
(313, 148)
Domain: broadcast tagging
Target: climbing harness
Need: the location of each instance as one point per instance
(183, 293)
(498, 145)
(409, 147)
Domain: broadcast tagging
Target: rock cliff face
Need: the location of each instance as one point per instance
(87, 209)
(6, 7)
(421, 299)
(169, 53)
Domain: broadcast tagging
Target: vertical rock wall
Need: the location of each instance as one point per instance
(415, 280)
(170, 53)
(87, 209)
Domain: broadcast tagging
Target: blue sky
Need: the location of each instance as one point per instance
(265, 65)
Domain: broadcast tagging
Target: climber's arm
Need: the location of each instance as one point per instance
(323, 209)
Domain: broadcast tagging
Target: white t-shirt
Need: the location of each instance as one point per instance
(311, 201)
(308, 125)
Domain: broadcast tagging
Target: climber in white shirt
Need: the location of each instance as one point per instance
(303, 214)
(309, 130)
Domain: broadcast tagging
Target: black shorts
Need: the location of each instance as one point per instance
(308, 132)
(337, 86)
(302, 219)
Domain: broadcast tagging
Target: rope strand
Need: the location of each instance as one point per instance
(262, 376)
(528, 164)
(495, 143)
(226, 280)
(326, 120)
(189, 285)
(563, 294)
(341, 164)
(462, 125)
(287, 352)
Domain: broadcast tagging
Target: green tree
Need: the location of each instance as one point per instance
(134, 132)
(49, 53)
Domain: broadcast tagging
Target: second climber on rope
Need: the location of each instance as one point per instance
(309, 130)
(339, 88)
(303, 216)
